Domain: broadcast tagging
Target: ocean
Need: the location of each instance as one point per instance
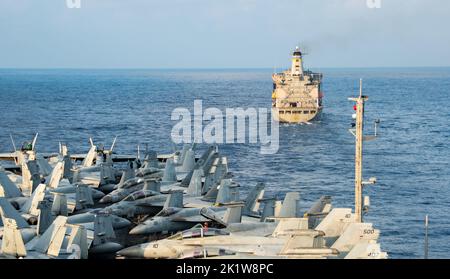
(410, 158)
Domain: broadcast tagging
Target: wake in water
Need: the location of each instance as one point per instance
(296, 124)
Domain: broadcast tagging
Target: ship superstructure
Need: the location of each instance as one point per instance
(297, 93)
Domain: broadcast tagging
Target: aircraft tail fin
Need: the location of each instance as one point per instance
(334, 224)
(43, 165)
(7, 188)
(107, 174)
(290, 206)
(252, 201)
(305, 240)
(90, 156)
(228, 191)
(59, 206)
(51, 241)
(151, 160)
(195, 186)
(31, 205)
(45, 216)
(210, 175)
(355, 233)
(183, 151)
(169, 172)
(269, 208)
(30, 176)
(152, 185)
(175, 199)
(63, 149)
(7, 211)
(233, 215)
(290, 225)
(56, 175)
(216, 173)
(83, 196)
(78, 236)
(369, 250)
(103, 228)
(187, 179)
(210, 160)
(12, 243)
(34, 169)
(318, 211)
(76, 177)
(189, 161)
(211, 195)
(126, 175)
(67, 167)
(203, 161)
(321, 205)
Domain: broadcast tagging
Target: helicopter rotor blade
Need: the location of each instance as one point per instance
(113, 144)
(33, 144)
(13, 143)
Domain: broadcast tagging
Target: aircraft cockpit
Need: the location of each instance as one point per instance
(198, 231)
(139, 195)
(167, 212)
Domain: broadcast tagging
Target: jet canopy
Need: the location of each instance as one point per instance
(132, 182)
(167, 212)
(140, 195)
(198, 231)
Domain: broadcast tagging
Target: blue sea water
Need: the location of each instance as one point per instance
(411, 157)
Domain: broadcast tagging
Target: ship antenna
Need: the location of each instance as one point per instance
(360, 87)
(358, 132)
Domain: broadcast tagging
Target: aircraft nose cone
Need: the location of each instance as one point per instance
(139, 229)
(132, 252)
(121, 223)
(96, 194)
(105, 199)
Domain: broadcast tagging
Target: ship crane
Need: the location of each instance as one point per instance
(361, 206)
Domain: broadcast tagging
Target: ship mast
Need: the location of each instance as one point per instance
(359, 138)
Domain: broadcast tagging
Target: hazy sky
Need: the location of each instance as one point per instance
(223, 33)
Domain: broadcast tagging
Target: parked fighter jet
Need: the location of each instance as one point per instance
(88, 217)
(150, 202)
(290, 234)
(96, 169)
(101, 234)
(291, 238)
(126, 188)
(10, 191)
(60, 240)
(242, 225)
(7, 211)
(174, 217)
(143, 202)
(100, 228)
(57, 184)
(28, 210)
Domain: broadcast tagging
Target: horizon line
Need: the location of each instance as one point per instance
(213, 68)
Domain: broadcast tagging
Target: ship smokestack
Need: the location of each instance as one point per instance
(297, 63)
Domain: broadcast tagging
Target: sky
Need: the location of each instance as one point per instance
(223, 33)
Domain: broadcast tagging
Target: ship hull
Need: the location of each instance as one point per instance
(295, 116)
